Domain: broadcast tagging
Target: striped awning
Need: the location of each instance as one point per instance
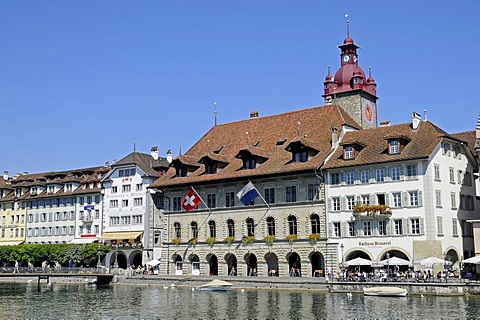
(120, 236)
(83, 240)
(10, 243)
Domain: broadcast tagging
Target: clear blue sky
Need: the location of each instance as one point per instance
(80, 80)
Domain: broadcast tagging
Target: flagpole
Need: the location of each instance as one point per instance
(209, 210)
(268, 206)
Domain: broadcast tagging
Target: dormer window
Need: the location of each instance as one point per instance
(349, 152)
(18, 192)
(300, 156)
(249, 163)
(51, 189)
(34, 191)
(393, 147)
(181, 171)
(211, 167)
(68, 187)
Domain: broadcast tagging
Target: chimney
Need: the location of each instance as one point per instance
(385, 123)
(334, 137)
(154, 152)
(253, 114)
(416, 119)
(5, 175)
(169, 156)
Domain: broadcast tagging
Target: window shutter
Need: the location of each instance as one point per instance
(389, 226)
(342, 177)
(422, 228)
(330, 205)
(406, 226)
(387, 199)
(344, 229)
(373, 199)
(330, 229)
(401, 173)
(420, 198)
(372, 176)
(358, 199)
(343, 203)
(375, 228)
(357, 176)
(405, 199)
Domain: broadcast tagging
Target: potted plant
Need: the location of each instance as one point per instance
(229, 240)
(176, 241)
(210, 241)
(193, 241)
(248, 240)
(313, 238)
(269, 240)
(291, 238)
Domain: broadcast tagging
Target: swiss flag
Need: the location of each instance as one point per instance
(191, 200)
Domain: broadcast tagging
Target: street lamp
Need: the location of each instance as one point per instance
(388, 265)
(342, 247)
(445, 265)
(99, 264)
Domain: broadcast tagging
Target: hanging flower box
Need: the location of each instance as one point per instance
(210, 241)
(371, 211)
(248, 240)
(291, 238)
(193, 241)
(176, 241)
(269, 240)
(313, 238)
(229, 240)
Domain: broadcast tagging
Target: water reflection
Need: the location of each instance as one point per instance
(74, 301)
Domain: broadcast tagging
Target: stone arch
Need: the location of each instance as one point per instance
(452, 255)
(135, 258)
(212, 261)
(208, 228)
(266, 225)
(271, 260)
(195, 264)
(309, 228)
(356, 253)
(294, 264)
(244, 224)
(287, 222)
(178, 263)
(191, 226)
(119, 259)
(395, 252)
(317, 260)
(235, 224)
(252, 264)
(231, 261)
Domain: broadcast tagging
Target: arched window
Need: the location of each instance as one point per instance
(315, 223)
(250, 227)
(212, 228)
(178, 230)
(271, 226)
(231, 228)
(292, 225)
(194, 227)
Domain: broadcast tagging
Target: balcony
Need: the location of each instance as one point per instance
(380, 211)
(87, 218)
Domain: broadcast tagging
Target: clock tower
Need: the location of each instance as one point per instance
(350, 89)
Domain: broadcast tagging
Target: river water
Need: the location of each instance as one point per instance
(80, 301)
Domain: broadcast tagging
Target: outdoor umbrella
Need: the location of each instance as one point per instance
(430, 261)
(395, 261)
(358, 262)
(474, 260)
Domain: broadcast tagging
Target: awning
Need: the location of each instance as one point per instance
(83, 240)
(153, 263)
(121, 235)
(10, 243)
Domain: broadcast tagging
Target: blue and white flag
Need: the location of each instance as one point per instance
(248, 193)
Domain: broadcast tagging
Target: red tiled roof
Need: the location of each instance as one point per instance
(313, 124)
(423, 142)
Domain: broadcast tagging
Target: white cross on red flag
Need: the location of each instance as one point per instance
(191, 200)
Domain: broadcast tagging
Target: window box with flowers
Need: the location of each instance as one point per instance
(210, 241)
(193, 241)
(176, 241)
(291, 238)
(371, 211)
(269, 240)
(313, 238)
(248, 240)
(229, 240)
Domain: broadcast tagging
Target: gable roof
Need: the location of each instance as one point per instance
(422, 143)
(313, 125)
(145, 162)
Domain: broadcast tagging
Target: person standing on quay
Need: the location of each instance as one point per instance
(15, 270)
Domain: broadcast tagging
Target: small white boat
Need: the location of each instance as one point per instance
(385, 292)
(216, 285)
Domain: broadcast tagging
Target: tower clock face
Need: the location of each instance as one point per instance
(346, 58)
(368, 114)
(354, 59)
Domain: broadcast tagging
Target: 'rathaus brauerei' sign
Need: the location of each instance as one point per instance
(375, 243)
(6, 226)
